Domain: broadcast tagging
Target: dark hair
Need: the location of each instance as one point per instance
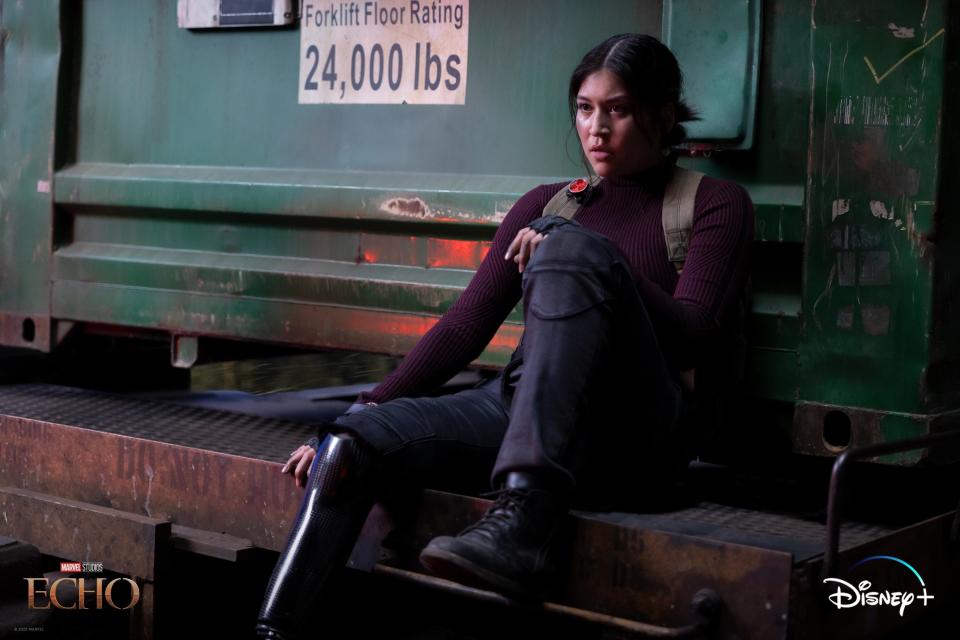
(649, 71)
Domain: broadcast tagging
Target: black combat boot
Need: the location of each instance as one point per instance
(337, 500)
(511, 549)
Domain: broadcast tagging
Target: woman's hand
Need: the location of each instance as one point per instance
(299, 464)
(522, 248)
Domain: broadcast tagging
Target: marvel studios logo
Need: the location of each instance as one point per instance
(81, 567)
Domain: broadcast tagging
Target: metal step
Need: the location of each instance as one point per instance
(219, 472)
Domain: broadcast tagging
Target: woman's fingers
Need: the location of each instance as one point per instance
(524, 254)
(535, 242)
(515, 244)
(292, 461)
(530, 243)
(293, 457)
(524, 237)
(524, 244)
(299, 464)
(303, 467)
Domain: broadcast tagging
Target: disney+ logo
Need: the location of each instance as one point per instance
(848, 595)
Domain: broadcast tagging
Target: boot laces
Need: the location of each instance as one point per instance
(508, 503)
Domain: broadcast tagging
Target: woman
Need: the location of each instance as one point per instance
(597, 382)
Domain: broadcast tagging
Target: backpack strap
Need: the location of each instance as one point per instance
(678, 202)
(679, 199)
(568, 201)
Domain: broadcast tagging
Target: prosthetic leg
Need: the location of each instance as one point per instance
(339, 495)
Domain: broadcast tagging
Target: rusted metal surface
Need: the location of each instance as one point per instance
(208, 543)
(793, 533)
(25, 330)
(125, 542)
(204, 469)
(644, 575)
(813, 424)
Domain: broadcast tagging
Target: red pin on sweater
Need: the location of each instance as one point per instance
(577, 187)
(579, 190)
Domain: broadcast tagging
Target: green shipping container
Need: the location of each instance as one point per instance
(303, 175)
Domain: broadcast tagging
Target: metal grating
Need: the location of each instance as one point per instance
(237, 434)
(789, 532)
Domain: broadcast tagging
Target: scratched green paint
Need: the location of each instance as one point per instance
(29, 62)
(874, 151)
(192, 186)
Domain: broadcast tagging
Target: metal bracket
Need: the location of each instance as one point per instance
(184, 351)
(706, 605)
(835, 494)
(230, 14)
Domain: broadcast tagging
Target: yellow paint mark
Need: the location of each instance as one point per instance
(879, 79)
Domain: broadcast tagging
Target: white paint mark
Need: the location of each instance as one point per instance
(43, 186)
(840, 207)
(879, 77)
(844, 113)
(879, 210)
(900, 32)
(146, 501)
(826, 293)
(902, 147)
(501, 208)
(826, 102)
(878, 111)
(407, 207)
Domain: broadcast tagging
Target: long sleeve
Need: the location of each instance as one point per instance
(713, 275)
(470, 323)
(689, 313)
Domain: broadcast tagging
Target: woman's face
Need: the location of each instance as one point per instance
(617, 136)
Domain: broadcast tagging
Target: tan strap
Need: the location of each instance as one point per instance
(565, 204)
(679, 199)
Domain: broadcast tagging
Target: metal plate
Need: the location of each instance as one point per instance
(200, 468)
(124, 542)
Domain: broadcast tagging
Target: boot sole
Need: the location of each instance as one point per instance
(451, 566)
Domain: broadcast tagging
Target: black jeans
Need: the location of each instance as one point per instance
(587, 395)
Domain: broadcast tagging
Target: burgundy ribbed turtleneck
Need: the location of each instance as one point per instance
(688, 312)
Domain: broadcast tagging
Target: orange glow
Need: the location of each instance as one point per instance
(389, 324)
(405, 330)
(456, 254)
(506, 338)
